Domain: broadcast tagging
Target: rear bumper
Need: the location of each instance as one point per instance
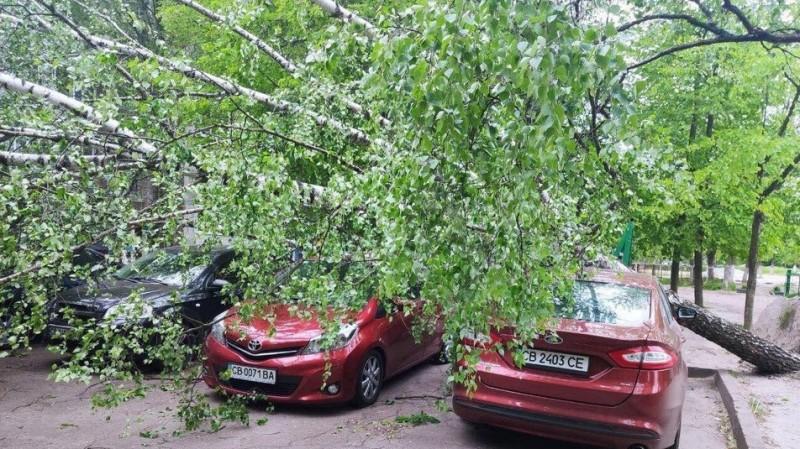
(650, 420)
(528, 421)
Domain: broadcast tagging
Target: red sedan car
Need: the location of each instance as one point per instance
(611, 374)
(285, 360)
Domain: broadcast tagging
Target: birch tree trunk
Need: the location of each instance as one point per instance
(728, 280)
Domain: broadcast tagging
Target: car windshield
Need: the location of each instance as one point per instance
(598, 302)
(166, 267)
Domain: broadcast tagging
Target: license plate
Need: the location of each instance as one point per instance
(557, 360)
(261, 375)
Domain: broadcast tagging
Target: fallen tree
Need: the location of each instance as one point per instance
(767, 357)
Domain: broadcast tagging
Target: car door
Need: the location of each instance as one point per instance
(211, 298)
(221, 285)
(396, 338)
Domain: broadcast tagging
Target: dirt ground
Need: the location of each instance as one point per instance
(37, 414)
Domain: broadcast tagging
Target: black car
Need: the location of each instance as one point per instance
(193, 281)
(12, 297)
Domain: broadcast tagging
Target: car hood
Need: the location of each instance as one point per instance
(279, 325)
(111, 292)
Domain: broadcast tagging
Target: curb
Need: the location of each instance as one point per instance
(744, 426)
(743, 423)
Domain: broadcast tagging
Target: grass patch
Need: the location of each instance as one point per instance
(718, 284)
(682, 282)
(758, 408)
(713, 284)
(787, 317)
(420, 419)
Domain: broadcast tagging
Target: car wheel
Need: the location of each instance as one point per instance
(369, 380)
(443, 356)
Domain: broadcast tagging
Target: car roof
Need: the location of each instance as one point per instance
(630, 278)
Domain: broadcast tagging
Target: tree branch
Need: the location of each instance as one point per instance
(284, 62)
(720, 35)
(336, 10)
(62, 161)
(58, 136)
(728, 6)
(12, 83)
(275, 105)
(709, 26)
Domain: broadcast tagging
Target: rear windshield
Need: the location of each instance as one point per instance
(598, 302)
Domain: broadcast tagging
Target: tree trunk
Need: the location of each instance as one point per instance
(728, 280)
(752, 268)
(697, 277)
(711, 259)
(769, 358)
(675, 270)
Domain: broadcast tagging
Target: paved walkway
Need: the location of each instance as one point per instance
(773, 399)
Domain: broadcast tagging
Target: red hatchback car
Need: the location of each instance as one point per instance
(285, 361)
(611, 374)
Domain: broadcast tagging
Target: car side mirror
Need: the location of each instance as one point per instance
(380, 311)
(220, 283)
(686, 313)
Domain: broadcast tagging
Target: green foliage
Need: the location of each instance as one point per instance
(418, 419)
(508, 153)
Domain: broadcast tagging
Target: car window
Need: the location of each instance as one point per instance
(666, 310)
(167, 267)
(598, 302)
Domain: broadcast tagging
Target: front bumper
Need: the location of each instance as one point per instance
(299, 378)
(647, 418)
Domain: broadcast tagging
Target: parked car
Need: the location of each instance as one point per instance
(196, 277)
(612, 374)
(285, 361)
(11, 296)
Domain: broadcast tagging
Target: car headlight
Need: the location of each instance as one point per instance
(218, 328)
(345, 335)
(128, 312)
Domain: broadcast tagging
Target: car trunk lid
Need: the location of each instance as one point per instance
(604, 318)
(603, 383)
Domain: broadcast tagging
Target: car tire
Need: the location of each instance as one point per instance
(677, 439)
(443, 356)
(369, 380)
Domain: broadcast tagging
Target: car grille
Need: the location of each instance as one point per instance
(265, 354)
(285, 385)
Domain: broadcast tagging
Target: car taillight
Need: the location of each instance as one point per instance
(645, 357)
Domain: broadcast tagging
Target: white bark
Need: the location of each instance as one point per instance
(336, 10)
(58, 136)
(727, 277)
(284, 62)
(109, 125)
(9, 18)
(12, 158)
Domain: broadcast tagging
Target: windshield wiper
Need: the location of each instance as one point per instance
(146, 279)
